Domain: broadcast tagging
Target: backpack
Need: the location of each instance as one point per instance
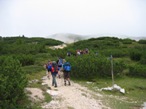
(54, 67)
(49, 67)
(67, 67)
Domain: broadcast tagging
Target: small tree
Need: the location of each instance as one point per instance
(135, 55)
(12, 83)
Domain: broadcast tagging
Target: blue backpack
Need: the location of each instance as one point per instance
(49, 67)
(67, 67)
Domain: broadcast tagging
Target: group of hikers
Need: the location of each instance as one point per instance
(79, 52)
(55, 68)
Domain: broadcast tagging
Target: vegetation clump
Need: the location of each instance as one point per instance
(12, 83)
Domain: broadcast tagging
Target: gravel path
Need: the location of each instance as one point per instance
(72, 97)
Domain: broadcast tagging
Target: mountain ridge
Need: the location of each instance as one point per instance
(70, 37)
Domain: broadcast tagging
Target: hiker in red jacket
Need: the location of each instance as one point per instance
(54, 71)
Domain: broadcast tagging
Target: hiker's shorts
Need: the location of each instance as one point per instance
(66, 74)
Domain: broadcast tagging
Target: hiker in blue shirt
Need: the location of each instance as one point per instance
(66, 71)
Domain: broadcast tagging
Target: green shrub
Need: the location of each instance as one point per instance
(115, 52)
(90, 66)
(137, 70)
(12, 84)
(32, 69)
(143, 58)
(22, 45)
(118, 67)
(142, 41)
(135, 55)
(26, 59)
(127, 41)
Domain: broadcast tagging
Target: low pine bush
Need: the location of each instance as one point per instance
(90, 66)
(137, 70)
(12, 84)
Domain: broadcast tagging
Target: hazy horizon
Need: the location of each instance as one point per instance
(70, 38)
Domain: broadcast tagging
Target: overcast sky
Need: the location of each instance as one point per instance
(34, 18)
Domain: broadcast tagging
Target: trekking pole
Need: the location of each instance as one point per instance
(111, 58)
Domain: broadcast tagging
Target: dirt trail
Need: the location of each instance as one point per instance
(72, 97)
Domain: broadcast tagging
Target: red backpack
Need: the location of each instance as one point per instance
(54, 67)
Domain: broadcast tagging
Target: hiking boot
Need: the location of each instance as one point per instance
(55, 86)
(69, 84)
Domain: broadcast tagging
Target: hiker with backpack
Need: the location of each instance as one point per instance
(46, 67)
(54, 71)
(68, 53)
(66, 71)
(60, 63)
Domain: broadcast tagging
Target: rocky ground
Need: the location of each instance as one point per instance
(67, 97)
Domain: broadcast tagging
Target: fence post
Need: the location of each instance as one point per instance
(111, 58)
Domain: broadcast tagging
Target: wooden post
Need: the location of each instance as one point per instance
(112, 70)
